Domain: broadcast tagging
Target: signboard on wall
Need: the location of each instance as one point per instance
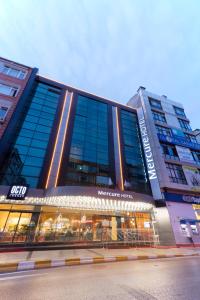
(151, 168)
(178, 140)
(192, 176)
(17, 192)
(184, 154)
(182, 198)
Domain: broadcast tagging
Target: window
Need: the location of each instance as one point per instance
(163, 130)
(179, 111)
(159, 117)
(196, 156)
(20, 74)
(8, 90)
(176, 173)
(3, 113)
(135, 177)
(89, 147)
(191, 138)
(184, 124)
(30, 143)
(155, 103)
(169, 152)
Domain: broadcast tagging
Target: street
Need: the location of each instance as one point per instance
(176, 278)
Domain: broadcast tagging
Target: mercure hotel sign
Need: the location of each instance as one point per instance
(151, 169)
(147, 149)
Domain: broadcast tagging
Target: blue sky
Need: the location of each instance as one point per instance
(109, 47)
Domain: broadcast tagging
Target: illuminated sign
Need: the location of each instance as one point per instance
(147, 150)
(115, 195)
(151, 168)
(17, 192)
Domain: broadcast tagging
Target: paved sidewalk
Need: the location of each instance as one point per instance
(25, 260)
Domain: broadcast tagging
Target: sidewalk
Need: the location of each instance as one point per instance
(25, 260)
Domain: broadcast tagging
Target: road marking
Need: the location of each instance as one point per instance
(20, 276)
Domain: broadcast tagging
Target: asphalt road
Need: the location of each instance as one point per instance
(164, 279)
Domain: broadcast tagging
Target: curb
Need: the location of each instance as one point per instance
(60, 262)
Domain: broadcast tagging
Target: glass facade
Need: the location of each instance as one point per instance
(28, 151)
(89, 152)
(26, 223)
(134, 168)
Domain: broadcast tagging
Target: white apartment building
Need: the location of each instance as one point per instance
(176, 157)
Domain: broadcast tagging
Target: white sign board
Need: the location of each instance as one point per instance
(192, 176)
(184, 154)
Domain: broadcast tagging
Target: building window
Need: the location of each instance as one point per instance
(8, 90)
(163, 130)
(20, 74)
(179, 111)
(191, 138)
(89, 162)
(184, 124)
(159, 117)
(29, 146)
(196, 156)
(155, 103)
(134, 166)
(3, 113)
(176, 173)
(169, 152)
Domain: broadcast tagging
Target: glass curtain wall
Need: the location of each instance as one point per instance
(29, 147)
(135, 172)
(89, 152)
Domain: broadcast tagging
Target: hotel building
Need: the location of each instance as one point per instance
(74, 167)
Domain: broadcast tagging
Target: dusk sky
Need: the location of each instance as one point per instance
(109, 47)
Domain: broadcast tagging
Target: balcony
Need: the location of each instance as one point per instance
(178, 140)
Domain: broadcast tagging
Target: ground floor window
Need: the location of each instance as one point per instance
(21, 223)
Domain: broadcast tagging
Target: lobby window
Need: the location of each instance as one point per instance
(8, 90)
(185, 125)
(158, 117)
(89, 152)
(3, 113)
(29, 147)
(163, 130)
(13, 72)
(191, 138)
(135, 177)
(176, 173)
(155, 103)
(169, 152)
(179, 111)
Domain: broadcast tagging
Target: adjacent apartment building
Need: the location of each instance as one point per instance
(176, 153)
(73, 168)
